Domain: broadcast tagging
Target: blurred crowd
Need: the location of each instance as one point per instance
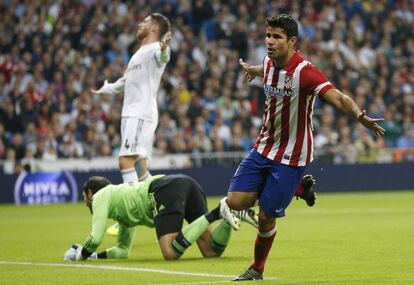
(52, 52)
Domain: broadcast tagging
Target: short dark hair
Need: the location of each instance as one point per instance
(285, 22)
(162, 22)
(95, 183)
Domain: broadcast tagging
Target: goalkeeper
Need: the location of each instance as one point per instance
(163, 202)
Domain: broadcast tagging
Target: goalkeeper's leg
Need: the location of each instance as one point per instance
(174, 243)
(212, 243)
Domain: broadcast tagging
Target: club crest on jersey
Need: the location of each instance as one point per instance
(288, 82)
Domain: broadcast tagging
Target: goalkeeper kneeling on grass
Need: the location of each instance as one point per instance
(163, 202)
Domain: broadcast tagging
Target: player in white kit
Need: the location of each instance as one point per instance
(140, 85)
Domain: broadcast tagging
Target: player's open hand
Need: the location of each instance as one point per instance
(371, 123)
(165, 40)
(248, 72)
(103, 90)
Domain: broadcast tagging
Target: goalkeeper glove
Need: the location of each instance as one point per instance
(93, 256)
(73, 255)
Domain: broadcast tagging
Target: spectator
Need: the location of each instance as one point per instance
(365, 147)
(9, 118)
(365, 49)
(200, 142)
(9, 162)
(28, 161)
(407, 139)
(17, 144)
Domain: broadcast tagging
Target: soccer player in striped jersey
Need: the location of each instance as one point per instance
(274, 167)
(140, 85)
(162, 202)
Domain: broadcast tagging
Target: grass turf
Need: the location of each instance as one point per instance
(348, 238)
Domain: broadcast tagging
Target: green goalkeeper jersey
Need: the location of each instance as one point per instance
(129, 205)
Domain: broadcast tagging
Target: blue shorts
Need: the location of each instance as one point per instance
(274, 182)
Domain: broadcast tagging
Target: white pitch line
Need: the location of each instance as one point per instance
(192, 283)
(119, 268)
(122, 268)
(204, 282)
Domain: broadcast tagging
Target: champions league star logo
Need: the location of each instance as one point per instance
(45, 188)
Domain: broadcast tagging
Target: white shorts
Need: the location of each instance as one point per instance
(137, 137)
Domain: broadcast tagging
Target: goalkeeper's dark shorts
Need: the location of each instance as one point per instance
(177, 197)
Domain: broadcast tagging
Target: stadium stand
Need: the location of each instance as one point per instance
(53, 52)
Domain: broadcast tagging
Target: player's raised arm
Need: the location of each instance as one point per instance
(349, 107)
(163, 55)
(110, 88)
(165, 40)
(251, 71)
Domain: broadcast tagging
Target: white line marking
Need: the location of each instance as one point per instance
(204, 282)
(120, 268)
(192, 283)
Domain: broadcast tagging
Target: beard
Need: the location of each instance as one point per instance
(142, 34)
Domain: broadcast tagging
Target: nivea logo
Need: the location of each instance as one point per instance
(45, 188)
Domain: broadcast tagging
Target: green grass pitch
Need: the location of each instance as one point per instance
(348, 238)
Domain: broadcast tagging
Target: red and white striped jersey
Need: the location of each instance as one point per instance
(286, 134)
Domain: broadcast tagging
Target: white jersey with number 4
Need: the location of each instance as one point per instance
(141, 81)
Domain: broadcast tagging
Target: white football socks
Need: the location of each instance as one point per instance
(129, 175)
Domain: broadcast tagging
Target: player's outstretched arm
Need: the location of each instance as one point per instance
(349, 107)
(110, 88)
(251, 71)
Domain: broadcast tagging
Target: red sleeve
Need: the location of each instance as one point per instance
(314, 82)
